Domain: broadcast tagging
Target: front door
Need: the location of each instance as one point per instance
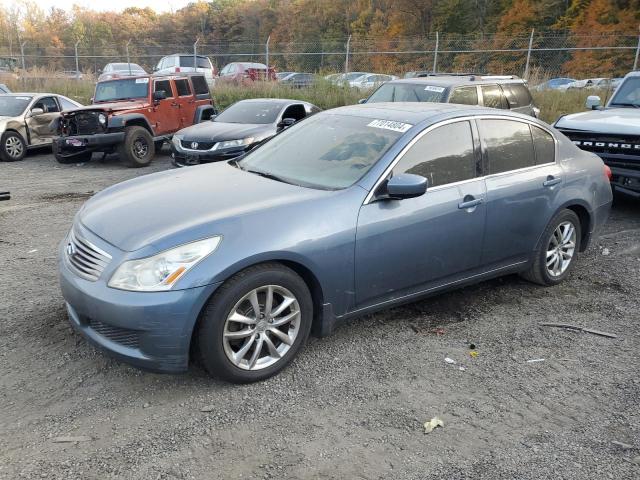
(40, 125)
(167, 113)
(407, 246)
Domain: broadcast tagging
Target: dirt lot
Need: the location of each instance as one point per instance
(352, 405)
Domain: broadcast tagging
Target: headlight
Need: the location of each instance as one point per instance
(102, 118)
(233, 143)
(162, 271)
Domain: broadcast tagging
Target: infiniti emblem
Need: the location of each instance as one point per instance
(194, 145)
(71, 249)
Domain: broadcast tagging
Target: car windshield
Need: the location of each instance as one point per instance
(250, 112)
(628, 93)
(123, 89)
(11, 106)
(407, 92)
(326, 151)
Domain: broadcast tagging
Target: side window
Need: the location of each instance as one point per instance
(545, 146)
(465, 96)
(199, 85)
(182, 86)
(163, 85)
(508, 143)
(517, 94)
(493, 98)
(66, 104)
(297, 112)
(48, 104)
(444, 155)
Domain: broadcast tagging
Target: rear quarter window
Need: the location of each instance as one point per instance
(545, 146)
(199, 85)
(493, 98)
(517, 94)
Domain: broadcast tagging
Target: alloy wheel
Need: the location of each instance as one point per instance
(14, 147)
(261, 328)
(561, 249)
(140, 147)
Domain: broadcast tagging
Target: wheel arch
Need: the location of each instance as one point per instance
(129, 120)
(586, 223)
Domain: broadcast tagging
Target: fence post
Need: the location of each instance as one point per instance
(266, 54)
(128, 58)
(75, 49)
(346, 60)
(435, 53)
(22, 54)
(526, 67)
(195, 53)
(635, 61)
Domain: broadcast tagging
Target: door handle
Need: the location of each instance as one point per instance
(473, 202)
(551, 181)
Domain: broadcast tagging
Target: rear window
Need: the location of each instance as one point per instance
(509, 145)
(545, 146)
(200, 85)
(201, 62)
(183, 88)
(517, 94)
(406, 92)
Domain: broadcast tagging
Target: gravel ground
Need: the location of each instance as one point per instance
(352, 405)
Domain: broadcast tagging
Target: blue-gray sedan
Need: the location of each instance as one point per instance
(349, 211)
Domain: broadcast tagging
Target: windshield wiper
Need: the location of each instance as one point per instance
(629, 104)
(267, 175)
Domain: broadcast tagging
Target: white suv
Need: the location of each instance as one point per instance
(183, 63)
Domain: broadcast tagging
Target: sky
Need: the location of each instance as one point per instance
(110, 5)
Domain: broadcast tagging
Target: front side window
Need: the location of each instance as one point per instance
(406, 92)
(122, 89)
(508, 144)
(163, 86)
(443, 155)
(493, 97)
(48, 104)
(327, 151)
(544, 144)
(465, 96)
(628, 94)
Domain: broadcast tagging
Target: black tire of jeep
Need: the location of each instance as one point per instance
(17, 142)
(137, 149)
(158, 145)
(79, 158)
(209, 347)
(538, 272)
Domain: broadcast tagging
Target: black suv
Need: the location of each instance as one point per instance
(507, 92)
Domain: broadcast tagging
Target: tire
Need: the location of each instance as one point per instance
(137, 149)
(216, 344)
(13, 148)
(558, 270)
(79, 158)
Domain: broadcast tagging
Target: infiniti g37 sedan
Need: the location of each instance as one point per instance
(353, 210)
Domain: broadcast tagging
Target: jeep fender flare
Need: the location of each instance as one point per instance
(122, 121)
(203, 113)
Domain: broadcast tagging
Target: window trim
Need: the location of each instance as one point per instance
(475, 130)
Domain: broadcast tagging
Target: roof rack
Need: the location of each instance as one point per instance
(494, 77)
(444, 74)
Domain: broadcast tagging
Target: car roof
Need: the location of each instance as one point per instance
(31, 94)
(457, 80)
(635, 73)
(281, 101)
(416, 112)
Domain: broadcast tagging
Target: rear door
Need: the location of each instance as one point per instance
(167, 111)
(186, 101)
(523, 181)
(407, 246)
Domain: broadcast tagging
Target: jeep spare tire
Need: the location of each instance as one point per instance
(138, 147)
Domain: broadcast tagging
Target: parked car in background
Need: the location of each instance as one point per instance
(371, 80)
(4, 88)
(117, 70)
(132, 117)
(184, 63)
(497, 91)
(351, 211)
(8, 68)
(246, 72)
(26, 121)
(238, 129)
(414, 74)
(345, 78)
(332, 77)
(554, 84)
(281, 75)
(612, 132)
(72, 74)
(299, 80)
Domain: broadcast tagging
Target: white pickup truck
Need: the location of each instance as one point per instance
(612, 132)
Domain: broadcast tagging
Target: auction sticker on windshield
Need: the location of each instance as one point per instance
(390, 125)
(431, 88)
(142, 80)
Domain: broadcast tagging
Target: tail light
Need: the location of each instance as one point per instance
(607, 172)
(177, 69)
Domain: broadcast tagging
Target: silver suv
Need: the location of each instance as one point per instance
(506, 92)
(184, 63)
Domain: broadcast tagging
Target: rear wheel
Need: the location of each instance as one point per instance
(137, 149)
(12, 147)
(255, 324)
(557, 251)
(79, 158)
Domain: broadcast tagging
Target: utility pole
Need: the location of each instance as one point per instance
(526, 67)
(346, 61)
(128, 58)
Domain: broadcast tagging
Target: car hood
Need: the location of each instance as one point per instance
(221, 131)
(621, 121)
(112, 106)
(151, 210)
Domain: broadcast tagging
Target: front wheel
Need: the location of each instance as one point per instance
(138, 147)
(255, 324)
(557, 251)
(12, 147)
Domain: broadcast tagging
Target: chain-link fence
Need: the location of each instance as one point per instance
(540, 55)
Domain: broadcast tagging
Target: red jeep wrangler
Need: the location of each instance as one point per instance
(132, 116)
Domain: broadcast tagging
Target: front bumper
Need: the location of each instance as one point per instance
(151, 330)
(184, 158)
(68, 146)
(625, 180)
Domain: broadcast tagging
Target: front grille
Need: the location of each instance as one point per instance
(606, 145)
(87, 260)
(191, 145)
(84, 123)
(122, 336)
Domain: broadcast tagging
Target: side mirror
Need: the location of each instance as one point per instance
(286, 123)
(91, 100)
(593, 102)
(362, 100)
(159, 95)
(213, 117)
(406, 185)
(36, 111)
